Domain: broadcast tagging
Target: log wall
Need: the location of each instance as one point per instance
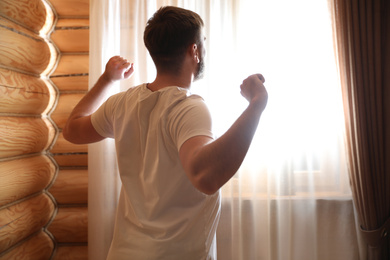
(44, 53)
(70, 189)
(27, 96)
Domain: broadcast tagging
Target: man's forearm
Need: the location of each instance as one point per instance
(117, 68)
(79, 128)
(210, 164)
(93, 99)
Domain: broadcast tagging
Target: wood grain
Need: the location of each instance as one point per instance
(37, 247)
(12, 26)
(23, 219)
(29, 13)
(24, 94)
(24, 135)
(71, 253)
(65, 105)
(70, 225)
(71, 187)
(61, 23)
(71, 160)
(71, 64)
(74, 83)
(63, 146)
(71, 39)
(71, 8)
(23, 53)
(23, 177)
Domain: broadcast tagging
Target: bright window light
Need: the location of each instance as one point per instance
(290, 43)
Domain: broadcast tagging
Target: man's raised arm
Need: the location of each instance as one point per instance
(210, 164)
(78, 128)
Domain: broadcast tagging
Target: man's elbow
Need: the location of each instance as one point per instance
(81, 131)
(206, 185)
(67, 133)
(70, 134)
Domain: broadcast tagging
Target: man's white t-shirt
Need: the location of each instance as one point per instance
(160, 214)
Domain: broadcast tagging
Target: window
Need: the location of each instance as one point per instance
(298, 149)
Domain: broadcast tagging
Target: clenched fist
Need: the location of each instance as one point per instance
(252, 88)
(118, 68)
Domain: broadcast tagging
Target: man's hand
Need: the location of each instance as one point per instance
(118, 68)
(253, 90)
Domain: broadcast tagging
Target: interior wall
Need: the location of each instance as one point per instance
(70, 189)
(44, 53)
(26, 130)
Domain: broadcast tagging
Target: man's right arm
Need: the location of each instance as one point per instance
(79, 128)
(210, 164)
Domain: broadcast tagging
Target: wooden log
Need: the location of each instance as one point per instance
(73, 83)
(71, 8)
(71, 187)
(40, 246)
(12, 26)
(72, 64)
(24, 94)
(29, 13)
(70, 225)
(23, 219)
(70, 160)
(23, 177)
(71, 253)
(63, 146)
(65, 105)
(63, 23)
(71, 39)
(23, 53)
(24, 135)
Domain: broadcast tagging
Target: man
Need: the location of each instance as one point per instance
(170, 165)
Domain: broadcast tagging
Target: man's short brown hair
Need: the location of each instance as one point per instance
(168, 34)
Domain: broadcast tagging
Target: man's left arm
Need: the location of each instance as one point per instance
(79, 128)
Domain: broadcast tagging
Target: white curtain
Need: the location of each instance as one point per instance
(291, 197)
(103, 181)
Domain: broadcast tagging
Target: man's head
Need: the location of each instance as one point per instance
(169, 34)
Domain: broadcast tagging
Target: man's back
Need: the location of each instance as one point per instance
(168, 158)
(160, 212)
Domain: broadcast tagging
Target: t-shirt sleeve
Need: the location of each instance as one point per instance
(191, 119)
(102, 119)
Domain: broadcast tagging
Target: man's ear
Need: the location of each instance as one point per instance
(194, 51)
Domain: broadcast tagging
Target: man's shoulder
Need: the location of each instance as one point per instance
(130, 91)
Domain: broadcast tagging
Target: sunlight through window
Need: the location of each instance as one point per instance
(290, 43)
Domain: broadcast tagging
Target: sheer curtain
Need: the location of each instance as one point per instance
(291, 197)
(103, 181)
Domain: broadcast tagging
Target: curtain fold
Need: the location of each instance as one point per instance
(103, 182)
(362, 40)
(290, 199)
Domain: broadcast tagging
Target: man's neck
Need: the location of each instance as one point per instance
(164, 80)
